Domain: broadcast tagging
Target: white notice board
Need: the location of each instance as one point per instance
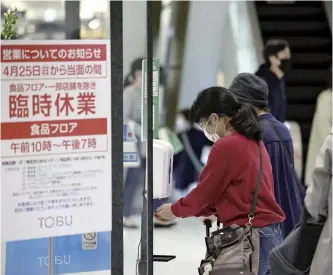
(55, 138)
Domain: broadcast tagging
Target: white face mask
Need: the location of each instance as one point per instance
(212, 137)
(182, 125)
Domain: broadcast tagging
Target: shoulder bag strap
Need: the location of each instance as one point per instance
(256, 191)
(287, 153)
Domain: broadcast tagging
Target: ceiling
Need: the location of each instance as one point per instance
(55, 10)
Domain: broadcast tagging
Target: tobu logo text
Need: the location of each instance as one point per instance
(57, 221)
(58, 260)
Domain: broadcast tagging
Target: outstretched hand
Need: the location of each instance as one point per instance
(164, 213)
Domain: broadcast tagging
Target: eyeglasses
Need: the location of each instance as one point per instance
(202, 125)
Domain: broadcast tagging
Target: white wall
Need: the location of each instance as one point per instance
(246, 38)
(221, 37)
(203, 44)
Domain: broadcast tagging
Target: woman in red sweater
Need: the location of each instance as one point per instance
(227, 183)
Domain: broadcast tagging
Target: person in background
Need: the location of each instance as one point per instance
(288, 191)
(187, 163)
(228, 180)
(277, 64)
(321, 125)
(318, 202)
(132, 116)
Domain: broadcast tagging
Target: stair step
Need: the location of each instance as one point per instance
(307, 77)
(322, 60)
(300, 111)
(304, 25)
(290, 4)
(288, 12)
(305, 128)
(305, 94)
(305, 150)
(286, 27)
(302, 42)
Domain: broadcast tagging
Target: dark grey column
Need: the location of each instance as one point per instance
(72, 19)
(175, 55)
(150, 161)
(117, 240)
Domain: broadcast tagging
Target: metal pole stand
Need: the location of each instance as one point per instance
(50, 256)
(143, 261)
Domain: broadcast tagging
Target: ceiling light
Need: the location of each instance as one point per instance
(50, 15)
(94, 24)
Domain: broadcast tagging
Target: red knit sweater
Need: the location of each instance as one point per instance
(227, 183)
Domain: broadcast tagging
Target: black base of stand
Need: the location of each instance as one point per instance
(163, 258)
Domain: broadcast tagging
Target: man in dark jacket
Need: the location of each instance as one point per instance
(288, 190)
(277, 64)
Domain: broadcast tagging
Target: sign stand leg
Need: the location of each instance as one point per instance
(143, 261)
(50, 256)
(117, 153)
(146, 260)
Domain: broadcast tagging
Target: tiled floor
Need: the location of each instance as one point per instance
(185, 240)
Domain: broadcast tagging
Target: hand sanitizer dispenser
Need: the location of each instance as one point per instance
(162, 168)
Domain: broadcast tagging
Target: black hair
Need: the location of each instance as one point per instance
(136, 65)
(220, 101)
(186, 113)
(273, 46)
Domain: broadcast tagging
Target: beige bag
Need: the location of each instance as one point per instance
(234, 250)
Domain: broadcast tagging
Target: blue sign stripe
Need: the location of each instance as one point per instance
(130, 157)
(30, 257)
(125, 132)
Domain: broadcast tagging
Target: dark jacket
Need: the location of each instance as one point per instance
(277, 92)
(184, 171)
(287, 189)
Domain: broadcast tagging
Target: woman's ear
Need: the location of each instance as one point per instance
(214, 118)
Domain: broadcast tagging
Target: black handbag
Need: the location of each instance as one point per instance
(234, 250)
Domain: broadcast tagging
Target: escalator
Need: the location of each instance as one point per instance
(305, 26)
